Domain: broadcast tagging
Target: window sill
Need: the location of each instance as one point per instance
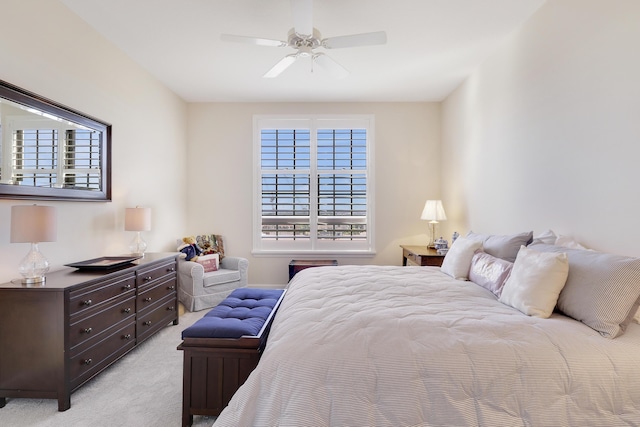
(317, 253)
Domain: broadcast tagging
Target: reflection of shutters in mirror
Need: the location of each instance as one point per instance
(82, 159)
(35, 155)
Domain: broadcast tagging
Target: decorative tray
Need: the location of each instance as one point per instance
(104, 263)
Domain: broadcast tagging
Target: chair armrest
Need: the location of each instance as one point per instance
(237, 263)
(190, 274)
(190, 267)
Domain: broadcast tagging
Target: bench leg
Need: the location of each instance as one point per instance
(187, 419)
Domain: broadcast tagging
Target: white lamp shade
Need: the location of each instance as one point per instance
(137, 219)
(433, 211)
(33, 224)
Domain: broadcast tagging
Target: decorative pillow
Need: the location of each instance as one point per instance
(489, 272)
(602, 289)
(535, 282)
(568, 242)
(547, 236)
(504, 247)
(457, 261)
(210, 262)
(211, 244)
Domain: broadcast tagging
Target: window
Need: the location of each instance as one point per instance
(314, 184)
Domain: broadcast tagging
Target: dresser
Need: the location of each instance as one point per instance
(55, 337)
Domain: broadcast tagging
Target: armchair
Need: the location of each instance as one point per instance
(198, 290)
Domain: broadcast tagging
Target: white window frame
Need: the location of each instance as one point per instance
(313, 246)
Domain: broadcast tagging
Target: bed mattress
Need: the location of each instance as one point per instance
(409, 346)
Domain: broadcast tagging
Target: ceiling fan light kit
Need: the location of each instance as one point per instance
(304, 38)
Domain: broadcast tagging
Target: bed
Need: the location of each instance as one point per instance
(412, 346)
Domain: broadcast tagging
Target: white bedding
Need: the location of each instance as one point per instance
(409, 346)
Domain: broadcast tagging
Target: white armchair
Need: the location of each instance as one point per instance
(198, 290)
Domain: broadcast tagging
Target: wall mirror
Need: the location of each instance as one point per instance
(51, 152)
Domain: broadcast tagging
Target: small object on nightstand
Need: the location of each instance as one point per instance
(421, 255)
(441, 246)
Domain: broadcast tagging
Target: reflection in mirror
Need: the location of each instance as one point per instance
(48, 151)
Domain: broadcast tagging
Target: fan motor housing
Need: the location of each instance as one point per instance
(298, 41)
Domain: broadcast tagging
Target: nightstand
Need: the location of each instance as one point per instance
(296, 265)
(421, 255)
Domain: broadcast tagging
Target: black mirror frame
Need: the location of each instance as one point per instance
(29, 99)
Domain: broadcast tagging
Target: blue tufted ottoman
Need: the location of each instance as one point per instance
(223, 347)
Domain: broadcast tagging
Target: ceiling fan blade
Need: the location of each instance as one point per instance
(282, 65)
(365, 39)
(252, 40)
(335, 69)
(302, 11)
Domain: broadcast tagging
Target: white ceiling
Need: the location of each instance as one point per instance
(433, 45)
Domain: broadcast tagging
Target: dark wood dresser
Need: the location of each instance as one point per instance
(55, 337)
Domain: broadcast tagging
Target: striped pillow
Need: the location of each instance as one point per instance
(602, 290)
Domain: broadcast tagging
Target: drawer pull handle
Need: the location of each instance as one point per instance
(87, 361)
(147, 323)
(171, 308)
(88, 330)
(127, 336)
(127, 310)
(87, 302)
(171, 270)
(147, 299)
(171, 288)
(148, 278)
(126, 287)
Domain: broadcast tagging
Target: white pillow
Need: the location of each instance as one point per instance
(457, 261)
(568, 242)
(535, 282)
(210, 262)
(548, 237)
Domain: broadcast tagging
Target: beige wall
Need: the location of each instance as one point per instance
(221, 173)
(543, 135)
(61, 58)
(546, 133)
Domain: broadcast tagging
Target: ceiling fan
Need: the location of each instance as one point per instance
(304, 38)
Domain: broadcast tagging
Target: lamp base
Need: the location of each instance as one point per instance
(33, 267)
(138, 246)
(432, 234)
(33, 280)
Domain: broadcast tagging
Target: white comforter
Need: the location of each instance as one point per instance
(409, 346)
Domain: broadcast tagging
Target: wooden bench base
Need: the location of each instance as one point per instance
(211, 376)
(214, 369)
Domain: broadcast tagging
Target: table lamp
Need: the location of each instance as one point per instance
(137, 219)
(33, 224)
(433, 212)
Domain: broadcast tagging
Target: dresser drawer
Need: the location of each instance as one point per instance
(91, 327)
(105, 351)
(416, 259)
(83, 300)
(147, 276)
(156, 317)
(155, 293)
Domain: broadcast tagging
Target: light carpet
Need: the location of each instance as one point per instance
(144, 388)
